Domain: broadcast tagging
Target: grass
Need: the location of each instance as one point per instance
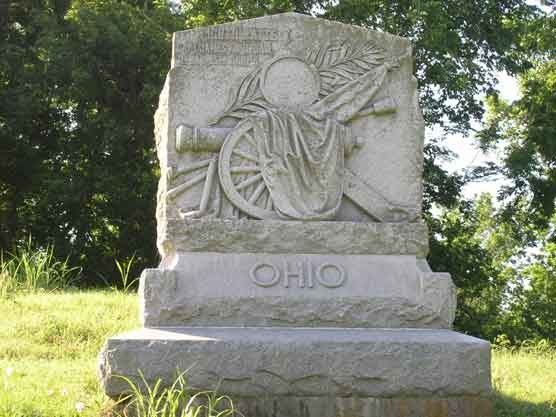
(29, 269)
(525, 381)
(48, 348)
(49, 343)
(177, 400)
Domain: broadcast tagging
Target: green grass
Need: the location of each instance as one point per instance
(51, 341)
(525, 381)
(31, 268)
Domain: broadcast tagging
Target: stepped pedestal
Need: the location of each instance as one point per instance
(307, 335)
(317, 372)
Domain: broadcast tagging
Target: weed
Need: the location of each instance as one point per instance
(177, 400)
(30, 269)
(124, 269)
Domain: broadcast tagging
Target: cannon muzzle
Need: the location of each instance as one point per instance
(200, 139)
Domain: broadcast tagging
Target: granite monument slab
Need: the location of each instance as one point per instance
(293, 271)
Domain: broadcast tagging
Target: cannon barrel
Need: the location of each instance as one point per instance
(210, 139)
(200, 139)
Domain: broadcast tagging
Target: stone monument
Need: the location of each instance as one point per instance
(293, 273)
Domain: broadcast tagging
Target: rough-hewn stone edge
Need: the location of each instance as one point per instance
(257, 236)
(365, 312)
(292, 16)
(253, 362)
(272, 406)
(164, 302)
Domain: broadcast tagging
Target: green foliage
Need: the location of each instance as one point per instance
(31, 269)
(471, 243)
(531, 311)
(76, 119)
(177, 400)
(525, 129)
(506, 286)
(524, 132)
(440, 187)
(538, 347)
(211, 12)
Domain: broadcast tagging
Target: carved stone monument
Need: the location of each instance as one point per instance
(293, 273)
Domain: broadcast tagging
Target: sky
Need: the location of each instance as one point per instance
(468, 153)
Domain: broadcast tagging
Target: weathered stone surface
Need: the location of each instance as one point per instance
(300, 362)
(349, 95)
(460, 406)
(291, 158)
(314, 128)
(253, 289)
(275, 236)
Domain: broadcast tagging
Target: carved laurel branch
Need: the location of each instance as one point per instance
(247, 99)
(340, 63)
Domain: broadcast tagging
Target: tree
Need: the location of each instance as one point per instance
(212, 12)
(526, 128)
(30, 124)
(477, 246)
(78, 166)
(531, 310)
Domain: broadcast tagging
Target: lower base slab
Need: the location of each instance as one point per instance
(313, 372)
(470, 406)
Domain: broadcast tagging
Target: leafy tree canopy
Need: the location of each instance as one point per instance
(80, 86)
(525, 130)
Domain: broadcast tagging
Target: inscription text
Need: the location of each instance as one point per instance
(228, 46)
(298, 274)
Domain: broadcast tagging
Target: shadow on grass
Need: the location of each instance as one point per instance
(505, 406)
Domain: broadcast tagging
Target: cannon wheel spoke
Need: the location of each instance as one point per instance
(241, 176)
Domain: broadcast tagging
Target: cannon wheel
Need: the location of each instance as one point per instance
(240, 173)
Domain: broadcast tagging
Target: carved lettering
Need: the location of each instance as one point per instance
(257, 276)
(298, 275)
(294, 274)
(229, 46)
(331, 282)
(310, 275)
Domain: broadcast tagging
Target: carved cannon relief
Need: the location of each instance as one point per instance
(278, 151)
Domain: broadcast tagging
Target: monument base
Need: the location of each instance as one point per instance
(313, 372)
(462, 406)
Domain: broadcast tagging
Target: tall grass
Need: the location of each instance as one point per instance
(177, 400)
(30, 268)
